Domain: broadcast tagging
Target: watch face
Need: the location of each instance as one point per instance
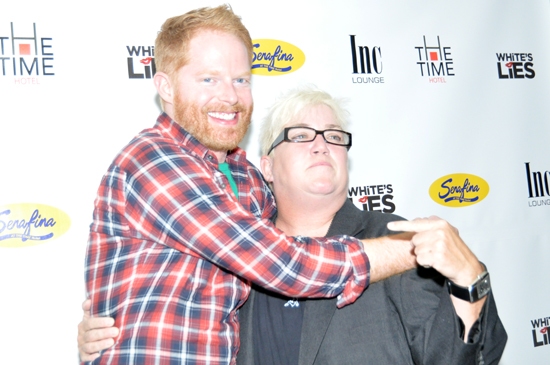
(483, 287)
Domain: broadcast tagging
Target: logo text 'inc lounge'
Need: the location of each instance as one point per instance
(366, 63)
(538, 187)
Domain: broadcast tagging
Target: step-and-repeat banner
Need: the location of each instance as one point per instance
(449, 100)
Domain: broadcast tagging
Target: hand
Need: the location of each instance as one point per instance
(94, 334)
(437, 244)
(389, 255)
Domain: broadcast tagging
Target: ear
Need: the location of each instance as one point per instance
(164, 87)
(266, 167)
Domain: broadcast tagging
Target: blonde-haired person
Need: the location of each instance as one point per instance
(409, 318)
(181, 219)
(291, 106)
(406, 319)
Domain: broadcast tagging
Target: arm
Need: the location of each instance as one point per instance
(94, 334)
(433, 329)
(389, 255)
(186, 207)
(437, 244)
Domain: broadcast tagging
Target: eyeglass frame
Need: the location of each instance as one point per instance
(283, 137)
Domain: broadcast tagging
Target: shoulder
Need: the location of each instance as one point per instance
(363, 224)
(241, 165)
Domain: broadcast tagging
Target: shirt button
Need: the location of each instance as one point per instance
(209, 157)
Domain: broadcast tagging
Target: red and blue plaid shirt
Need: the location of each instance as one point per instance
(172, 252)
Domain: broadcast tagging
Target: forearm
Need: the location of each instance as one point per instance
(468, 312)
(198, 217)
(389, 255)
(233, 235)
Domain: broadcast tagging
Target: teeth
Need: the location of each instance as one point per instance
(224, 116)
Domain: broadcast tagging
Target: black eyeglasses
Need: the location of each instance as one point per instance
(305, 134)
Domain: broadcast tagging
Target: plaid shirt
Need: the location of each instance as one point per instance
(171, 251)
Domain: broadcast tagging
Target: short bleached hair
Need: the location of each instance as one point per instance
(291, 106)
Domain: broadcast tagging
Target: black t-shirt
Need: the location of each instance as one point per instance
(277, 328)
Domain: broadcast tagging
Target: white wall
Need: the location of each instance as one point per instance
(59, 132)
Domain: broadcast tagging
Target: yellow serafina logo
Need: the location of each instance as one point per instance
(272, 57)
(30, 224)
(459, 190)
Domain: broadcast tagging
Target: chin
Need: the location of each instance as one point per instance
(323, 189)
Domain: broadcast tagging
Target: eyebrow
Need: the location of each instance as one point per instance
(217, 72)
(330, 126)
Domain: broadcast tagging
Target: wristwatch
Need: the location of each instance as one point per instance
(477, 290)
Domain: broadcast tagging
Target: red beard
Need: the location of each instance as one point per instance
(216, 138)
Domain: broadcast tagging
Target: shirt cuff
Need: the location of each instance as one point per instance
(360, 276)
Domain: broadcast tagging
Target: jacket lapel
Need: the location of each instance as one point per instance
(245, 356)
(319, 312)
(317, 317)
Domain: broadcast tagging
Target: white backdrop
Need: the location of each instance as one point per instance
(477, 108)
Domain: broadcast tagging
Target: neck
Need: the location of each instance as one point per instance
(307, 217)
(221, 155)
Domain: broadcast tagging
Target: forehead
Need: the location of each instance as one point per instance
(211, 50)
(319, 116)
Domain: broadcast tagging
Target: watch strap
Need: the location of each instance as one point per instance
(479, 288)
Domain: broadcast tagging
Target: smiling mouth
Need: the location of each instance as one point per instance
(223, 116)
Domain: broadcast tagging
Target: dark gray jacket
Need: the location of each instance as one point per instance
(406, 319)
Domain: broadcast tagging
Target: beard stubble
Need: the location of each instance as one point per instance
(217, 138)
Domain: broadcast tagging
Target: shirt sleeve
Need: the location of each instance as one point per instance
(174, 198)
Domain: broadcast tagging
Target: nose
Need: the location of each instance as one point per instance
(228, 93)
(319, 145)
